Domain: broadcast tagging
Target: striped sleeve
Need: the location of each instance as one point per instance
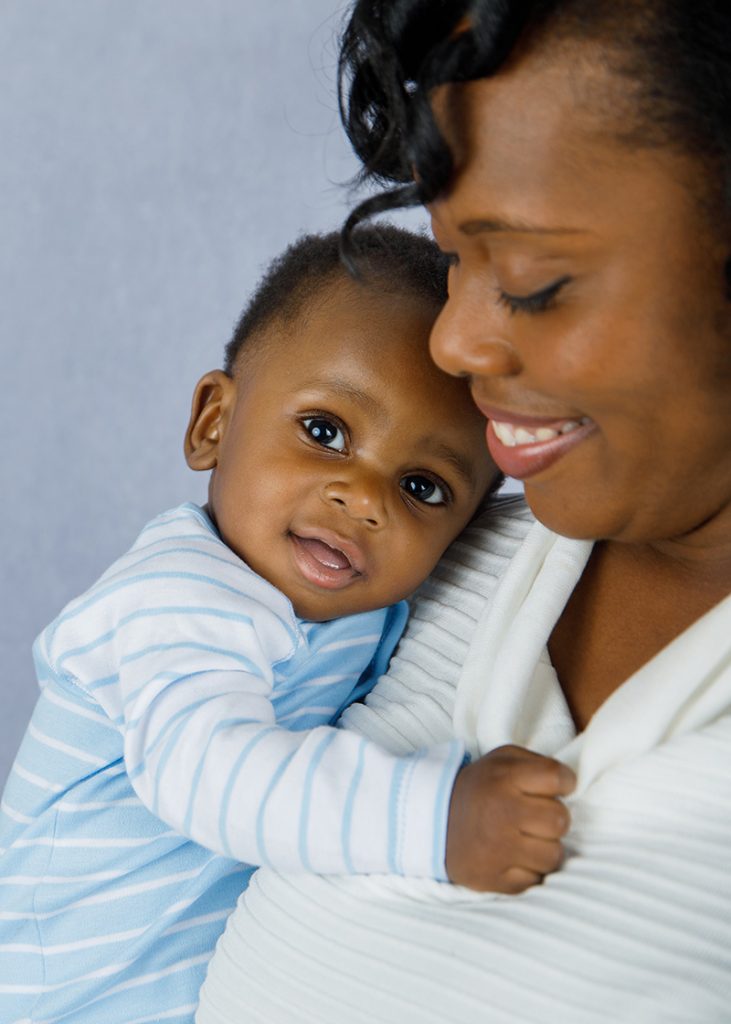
(179, 644)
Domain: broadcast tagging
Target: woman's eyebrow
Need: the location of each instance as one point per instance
(497, 225)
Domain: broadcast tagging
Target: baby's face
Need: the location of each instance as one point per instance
(345, 461)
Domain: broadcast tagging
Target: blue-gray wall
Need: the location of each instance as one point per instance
(154, 155)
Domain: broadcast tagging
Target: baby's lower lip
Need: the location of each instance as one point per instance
(523, 451)
(321, 564)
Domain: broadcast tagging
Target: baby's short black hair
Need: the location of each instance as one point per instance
(388, 257)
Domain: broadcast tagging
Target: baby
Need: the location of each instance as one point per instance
(184, 726)
(184, 729)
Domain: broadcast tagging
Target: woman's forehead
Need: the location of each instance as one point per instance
(538, 144)
(570, 103)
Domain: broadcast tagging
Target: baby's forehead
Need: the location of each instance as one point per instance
(373, 290)
(336, 303)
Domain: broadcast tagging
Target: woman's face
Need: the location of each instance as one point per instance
(587, 306)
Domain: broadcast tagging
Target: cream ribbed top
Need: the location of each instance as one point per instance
(635, 927)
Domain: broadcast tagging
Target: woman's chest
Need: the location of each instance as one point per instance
(614, 623)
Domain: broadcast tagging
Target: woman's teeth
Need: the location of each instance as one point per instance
(512, 436)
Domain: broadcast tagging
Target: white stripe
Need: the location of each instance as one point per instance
(124, 986)
(313, 710)
(144, 979)
(92, 844)
(173, 909)
(357, 641)
(100, 876)
(167, 1015)
(87, 901)
(65, 748)
(70, 947)
(95, 716)
(37, 780)
(22, 819)
(327, 680)
(68, 807)
(103, 972)
(194, 922)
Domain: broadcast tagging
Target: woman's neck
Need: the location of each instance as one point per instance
(631, 601)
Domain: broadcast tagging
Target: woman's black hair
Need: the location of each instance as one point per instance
(674, 55)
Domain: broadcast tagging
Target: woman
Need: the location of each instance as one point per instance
(575, 156)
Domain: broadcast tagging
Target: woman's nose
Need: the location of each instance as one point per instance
(361, 498)
(465, 342)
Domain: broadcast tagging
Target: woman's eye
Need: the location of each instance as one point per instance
(537, 302)
(325, 432)
(422, 488)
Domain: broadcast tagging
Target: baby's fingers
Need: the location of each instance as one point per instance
(540, 855)
(542, 776)
(536, 859)
(544, 818)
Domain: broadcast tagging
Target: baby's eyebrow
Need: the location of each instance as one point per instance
(441, 450)
(347, 390)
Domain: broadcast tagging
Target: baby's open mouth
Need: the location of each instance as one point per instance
(325, 565)
(329, 557)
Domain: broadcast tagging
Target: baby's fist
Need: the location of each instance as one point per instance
(506, 820)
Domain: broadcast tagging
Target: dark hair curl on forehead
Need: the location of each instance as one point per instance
(674, 57)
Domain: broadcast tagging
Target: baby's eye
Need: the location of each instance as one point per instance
(422, 488)
(325, 432)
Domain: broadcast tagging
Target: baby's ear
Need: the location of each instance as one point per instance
(212, 404)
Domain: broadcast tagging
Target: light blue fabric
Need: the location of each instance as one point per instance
(177, 684)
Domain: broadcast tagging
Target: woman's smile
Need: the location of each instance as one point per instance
(523, 444)
(522, 453)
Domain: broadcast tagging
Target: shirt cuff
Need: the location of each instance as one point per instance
(421, 806)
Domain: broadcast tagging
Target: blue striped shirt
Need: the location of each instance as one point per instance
(181, 736)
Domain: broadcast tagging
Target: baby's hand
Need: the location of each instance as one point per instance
(506, 820)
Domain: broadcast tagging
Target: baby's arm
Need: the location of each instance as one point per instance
(208, 758)
(177, 643)
(206, 755)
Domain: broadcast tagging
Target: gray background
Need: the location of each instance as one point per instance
(154, 156)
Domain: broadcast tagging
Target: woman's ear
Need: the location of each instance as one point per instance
(213, 401)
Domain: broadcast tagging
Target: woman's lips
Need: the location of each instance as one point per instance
(523, 446)
(326, 561)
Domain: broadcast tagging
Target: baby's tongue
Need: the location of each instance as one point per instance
(330, 557)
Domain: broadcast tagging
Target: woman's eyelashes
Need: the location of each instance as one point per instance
(325, 431)
(536, 302)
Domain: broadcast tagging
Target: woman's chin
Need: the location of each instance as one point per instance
(579, 514)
